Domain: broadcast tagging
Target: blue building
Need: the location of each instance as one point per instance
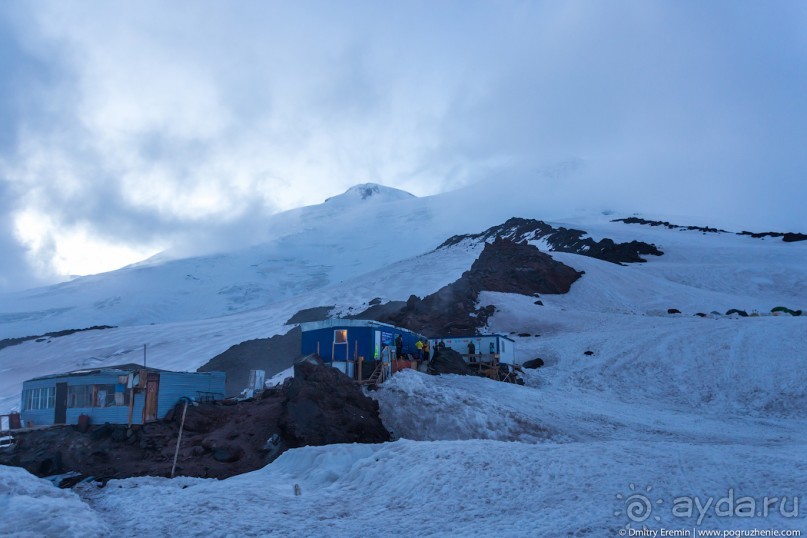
(116, 394)
(342, 342)
(486, 347)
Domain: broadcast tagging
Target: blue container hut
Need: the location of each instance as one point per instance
(125, 394)
(343, 343)
(486, 347)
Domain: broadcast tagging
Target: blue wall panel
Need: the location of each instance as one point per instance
(173, 386)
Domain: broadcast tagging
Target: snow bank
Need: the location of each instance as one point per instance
(33, 507)
(452, 407)
(459, 488)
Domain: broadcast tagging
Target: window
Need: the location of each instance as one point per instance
(340, 336)
(104, 396)
(42, 398)
(79, 395)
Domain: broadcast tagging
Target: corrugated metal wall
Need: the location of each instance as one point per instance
(173, 386)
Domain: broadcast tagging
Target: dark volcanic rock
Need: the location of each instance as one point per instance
(741, 313)
(561, 240)
(534, 363)
(324, 406)
(318, 313)
(503, 266)
(227, 454)
(787, 237)
(793, 237)
(448, 361)
(273, 355)
(6, 342)
(673, 311)
(665, 224)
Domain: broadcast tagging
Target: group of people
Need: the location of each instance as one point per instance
(423, 350)
(472, 348)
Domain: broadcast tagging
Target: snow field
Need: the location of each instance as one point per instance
(453, 488)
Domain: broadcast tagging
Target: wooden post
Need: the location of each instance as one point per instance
(130, 381)
(179, 438)
(361, 360)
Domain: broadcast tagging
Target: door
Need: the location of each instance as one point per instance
(152, 389)
(60, 415)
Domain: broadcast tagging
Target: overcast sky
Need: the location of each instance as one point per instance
(129, 127)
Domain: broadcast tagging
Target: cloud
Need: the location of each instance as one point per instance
(149, 125)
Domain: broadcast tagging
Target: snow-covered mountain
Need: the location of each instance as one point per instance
(686, 404)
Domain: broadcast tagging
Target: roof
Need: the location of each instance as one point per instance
(121, 369)
(341, 322)
(505, 337)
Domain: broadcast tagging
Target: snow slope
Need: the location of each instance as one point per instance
(689, 406)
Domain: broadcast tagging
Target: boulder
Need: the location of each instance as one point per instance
(448, 361)
(534, 363)
(228, 454)
(324, 406)
(741, 313)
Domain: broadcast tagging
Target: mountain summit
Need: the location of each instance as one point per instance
(369, 191)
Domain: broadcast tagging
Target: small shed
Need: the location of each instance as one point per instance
(343, 343)
(486, 346)
(125, 394)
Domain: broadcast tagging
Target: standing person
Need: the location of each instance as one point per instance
(419, 346)
(399, 346)
(426, 349)
(441, 345)
(471, 351)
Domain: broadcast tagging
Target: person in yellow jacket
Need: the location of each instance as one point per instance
(419, 346)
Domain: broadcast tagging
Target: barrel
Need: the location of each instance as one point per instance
(83, 423)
